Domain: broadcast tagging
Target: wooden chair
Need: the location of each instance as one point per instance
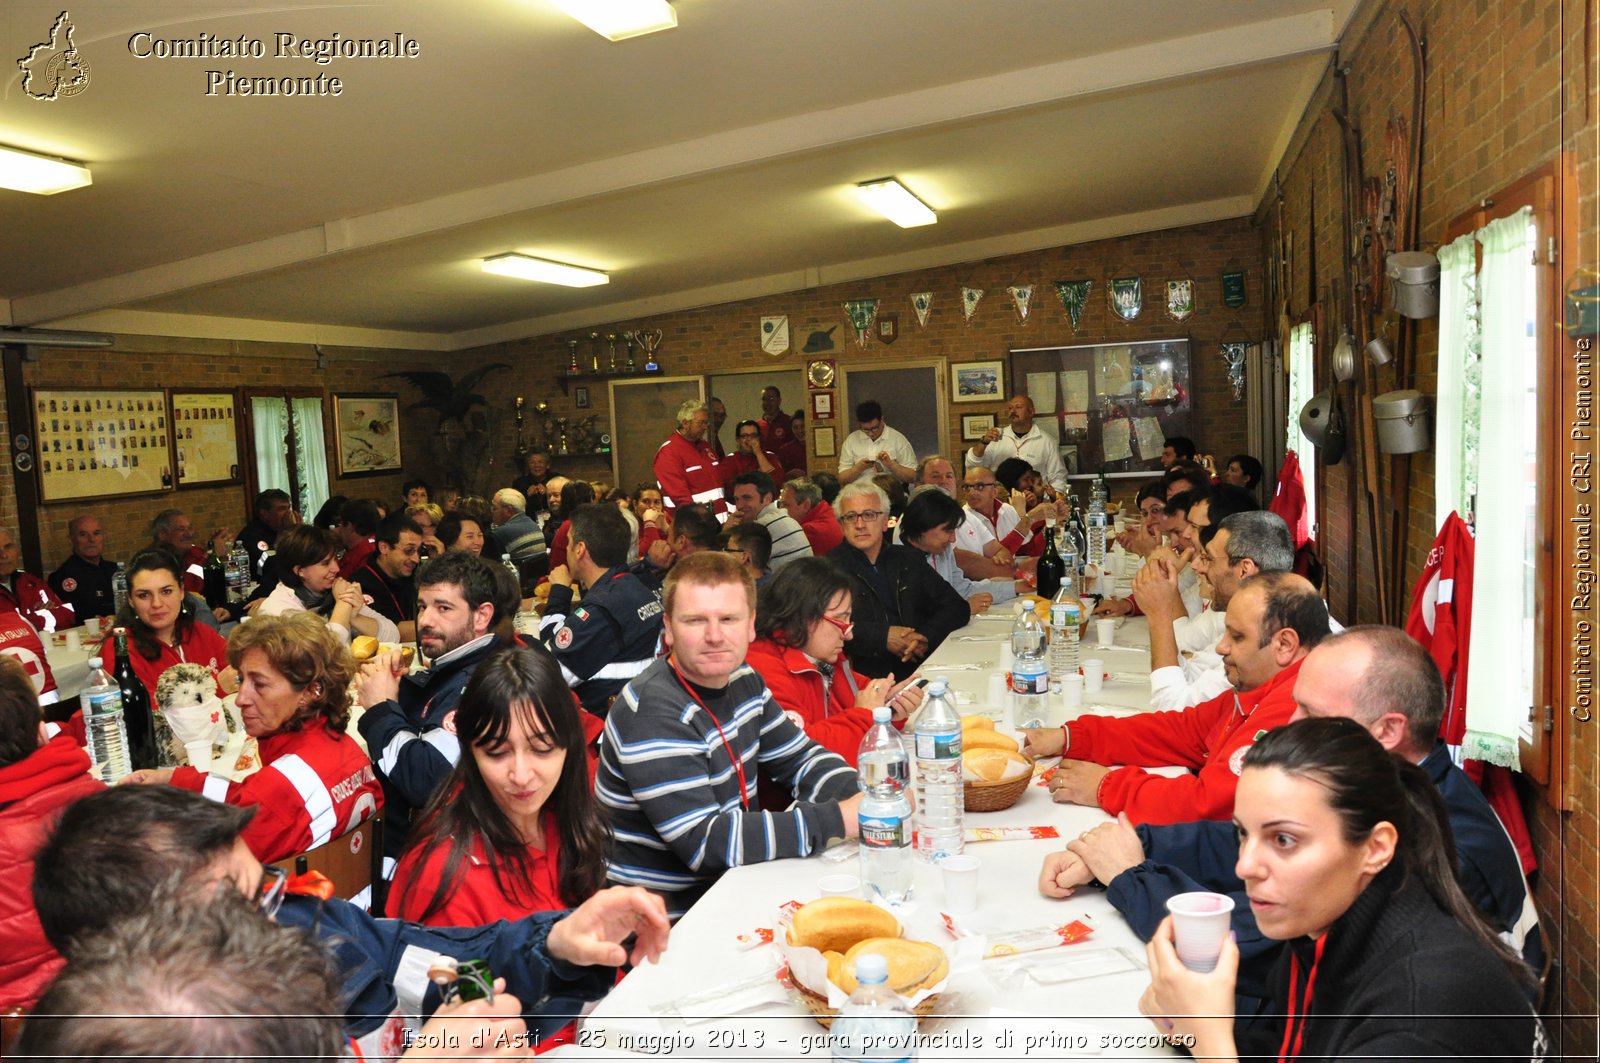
(10, 1027)
(353, 861)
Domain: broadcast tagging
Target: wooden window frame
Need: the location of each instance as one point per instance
(251, 481)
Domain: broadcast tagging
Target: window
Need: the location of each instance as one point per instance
(289, 446)
(1302, 371)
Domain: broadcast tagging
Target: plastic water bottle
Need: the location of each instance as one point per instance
(885, 813)
(1096, 551)
(102, 718)
(940, 800)
(119, 588)
(873, 1026)
(516, 573)
(1029, 672)
(237, 573)
(1066, 619)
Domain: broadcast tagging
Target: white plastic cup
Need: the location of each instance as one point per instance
(1094, 674)
(74, 640)
(1200, 922)
(1108, 584)
(1071, 690)
(199, 755)
(995, 705)
(839, 886)
(1105, 632)
(960, 884)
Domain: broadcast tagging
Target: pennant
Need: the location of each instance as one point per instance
(775, 335)
(1126, 296)
(1022, 296)
(1180, 299)
(1074, 297)
(970, 297)
(1233, 289)
(922, 303)
(861, 312)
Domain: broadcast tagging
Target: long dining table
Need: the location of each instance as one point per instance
(714, 996)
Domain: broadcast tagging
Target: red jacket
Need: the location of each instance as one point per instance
(194, 570)
(37, 603)
(689, 473)
(1210, 739)
(199, 645)
(778, 437)
(313, 787)
(19, 640)
(832, 720)
(355, 557)
(32, 792)
(738, 463)
(476, 899)
(822, 529)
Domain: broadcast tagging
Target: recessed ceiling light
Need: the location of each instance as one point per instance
(45, 175)
(617, 20)
(528, 268)
(890, 198)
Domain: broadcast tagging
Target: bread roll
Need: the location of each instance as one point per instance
(980, 722)
(364, 647)
(993, 765)
(913, 965)
(833, 924)
(977, 738)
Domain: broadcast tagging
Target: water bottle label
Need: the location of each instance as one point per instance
(883, 832)
(1030, 682)
(1065, 614)
(939, 747)
(103, 704)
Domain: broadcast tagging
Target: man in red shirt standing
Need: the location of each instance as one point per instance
(777, 431)
(686, 467)
(1274, 620)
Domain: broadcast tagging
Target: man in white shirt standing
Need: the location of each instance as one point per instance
(1020, 439)
(875, 448)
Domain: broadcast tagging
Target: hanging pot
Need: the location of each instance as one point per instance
(1344, 358)
(1322, 422)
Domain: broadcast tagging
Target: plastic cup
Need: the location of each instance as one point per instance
(1094, 674)
(839, 886)
(1105, 632)
(74, 640)
(1200, 922)
(1108, 584)
(960, 875)
(995, 706)
(1071, 691)
(199, 755)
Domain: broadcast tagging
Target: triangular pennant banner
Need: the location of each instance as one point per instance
(861, 313)
(922, 303)
(1074, 297)
(1022, 296)
(1126, 296)
(1180, 299)
(970, 298)
(775, 334)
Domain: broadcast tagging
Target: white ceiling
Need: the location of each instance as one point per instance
(707, 163)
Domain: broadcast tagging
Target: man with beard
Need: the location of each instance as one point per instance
(409, 725)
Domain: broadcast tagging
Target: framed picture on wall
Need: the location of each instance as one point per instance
(580, 395)
(367, 434)
(977, 382)
(207, 425)
(822, 405)
(974, 425)
(95, 444)
(822, 441)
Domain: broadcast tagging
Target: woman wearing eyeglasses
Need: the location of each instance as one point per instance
(803, 620)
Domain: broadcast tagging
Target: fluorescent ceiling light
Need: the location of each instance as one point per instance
(26, 171)
(890, 198)
(529, 268)
(617, 20)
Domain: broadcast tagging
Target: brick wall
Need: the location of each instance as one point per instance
(1507, 90)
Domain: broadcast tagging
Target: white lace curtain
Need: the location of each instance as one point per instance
(270, 417)
(1302, 386)
(1460, 379)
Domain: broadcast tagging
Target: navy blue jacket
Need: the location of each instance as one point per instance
(605, 641)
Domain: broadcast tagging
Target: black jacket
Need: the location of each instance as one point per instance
(905, 591)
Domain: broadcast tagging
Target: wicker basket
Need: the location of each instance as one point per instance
(818, 1006)
(993, 796)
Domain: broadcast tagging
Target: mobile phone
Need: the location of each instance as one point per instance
(921, 682)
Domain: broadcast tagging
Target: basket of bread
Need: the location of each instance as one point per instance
(994, 773)
(825, 938)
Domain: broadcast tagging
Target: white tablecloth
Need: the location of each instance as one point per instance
(707, 998)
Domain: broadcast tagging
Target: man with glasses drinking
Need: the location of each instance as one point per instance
(994, 531)
(903, 609)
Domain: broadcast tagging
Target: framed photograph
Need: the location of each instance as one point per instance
(822, 405)
(978, 382)
(974, 425)
(822, 441)
(367, 434)
(95, 444)
(208, 422)
(581, 395)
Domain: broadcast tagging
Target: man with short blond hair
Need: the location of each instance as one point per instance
(686, 740)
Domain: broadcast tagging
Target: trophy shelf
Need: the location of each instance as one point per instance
(564, 379)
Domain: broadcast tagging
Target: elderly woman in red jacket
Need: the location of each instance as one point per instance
(802, 624)
(38, 778)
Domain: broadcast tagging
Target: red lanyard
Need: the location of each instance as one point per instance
(1288, 1050)
(738, 764)
(385, 585)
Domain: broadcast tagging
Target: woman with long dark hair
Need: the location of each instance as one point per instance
(515, 829)
(162, 629)
(1345, 854)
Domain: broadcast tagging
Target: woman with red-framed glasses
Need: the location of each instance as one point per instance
(803, 620)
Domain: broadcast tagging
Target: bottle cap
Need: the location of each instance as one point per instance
(871, 969)
(94, 663)
(937, 687)
(882, 714)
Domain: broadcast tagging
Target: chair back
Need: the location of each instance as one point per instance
(10, 1027)
(353, 861)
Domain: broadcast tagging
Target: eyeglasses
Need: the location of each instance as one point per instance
(845, 626)
(274, 882)
(867, 515)
(982, 485)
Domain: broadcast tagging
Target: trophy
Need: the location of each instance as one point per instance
(611, 341)
(561, 436)
(572, 356)
(594, 354)
(649, 339)
(521, 448)
(627, 341)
